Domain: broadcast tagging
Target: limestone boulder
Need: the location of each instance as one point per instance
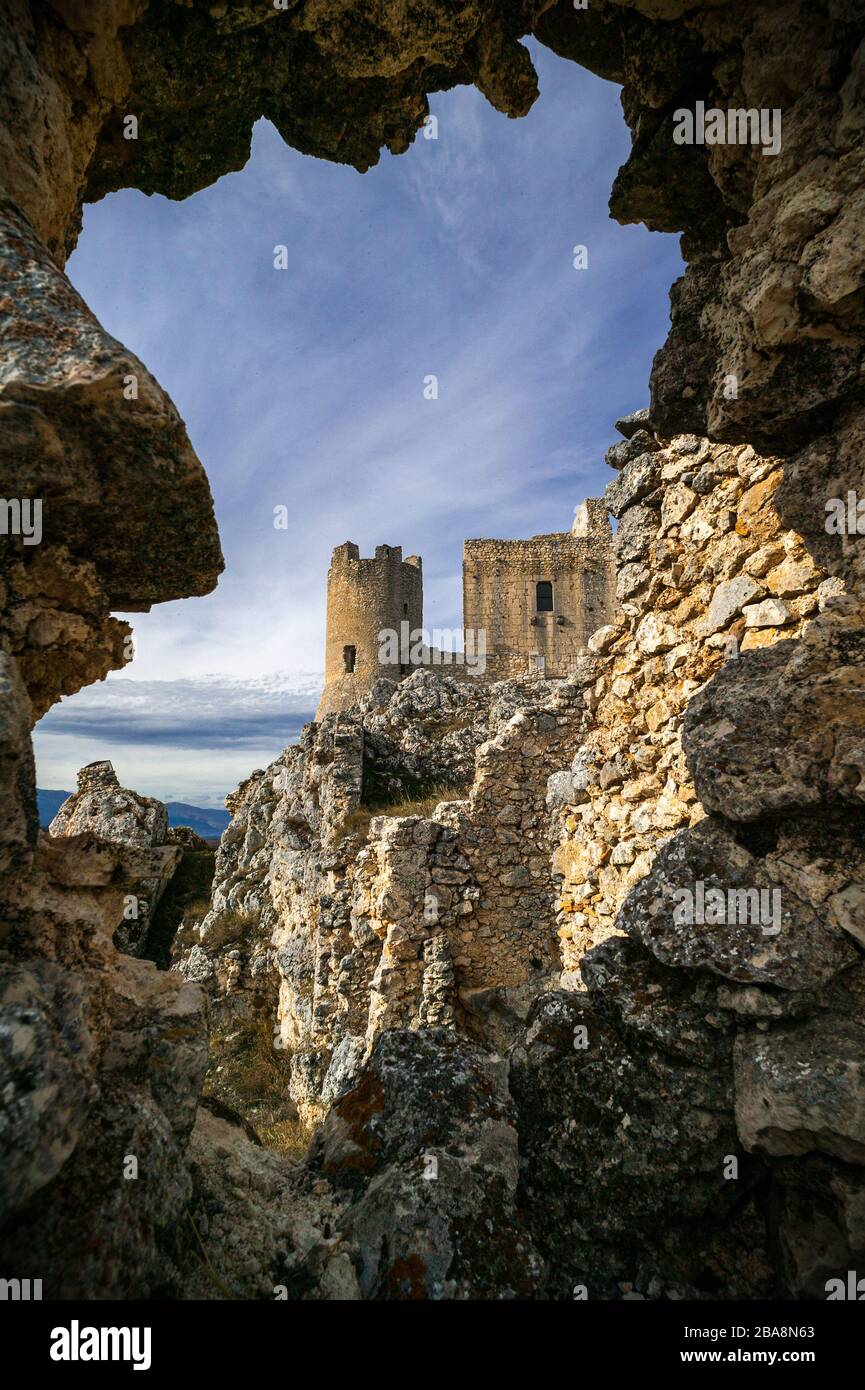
(101, 808)
(783, 728)
(787, 938)
(88, 432)
(423, 1151)
(801, 1089)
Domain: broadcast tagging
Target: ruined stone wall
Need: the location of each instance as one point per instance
(690, 780)
(366, 598)
(500, 579)
(335, 923)
(706, 571)
(502, 830)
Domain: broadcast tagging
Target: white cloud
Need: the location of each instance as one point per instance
(185, 740)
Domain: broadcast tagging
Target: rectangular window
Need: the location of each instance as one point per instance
(544, 597)
(348, 656)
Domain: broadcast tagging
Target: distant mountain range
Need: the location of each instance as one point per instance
(207, 821)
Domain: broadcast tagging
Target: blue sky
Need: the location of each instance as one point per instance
(304, 388)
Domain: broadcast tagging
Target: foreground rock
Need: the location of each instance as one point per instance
(102, 1061)
(423, 1152)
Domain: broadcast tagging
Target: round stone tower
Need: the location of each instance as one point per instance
(372, 608)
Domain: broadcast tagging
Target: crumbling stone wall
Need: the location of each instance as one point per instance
(502, 829)
(706, 572)
(691, 780)
(335, 924)
(500, 580)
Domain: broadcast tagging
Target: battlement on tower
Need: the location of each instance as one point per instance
(365, 598)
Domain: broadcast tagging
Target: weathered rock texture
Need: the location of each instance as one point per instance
(772, 294)
(693, 1046)
(110, 813)
(709, 581)
(102, 1059)
(337, 923)
(92, 439)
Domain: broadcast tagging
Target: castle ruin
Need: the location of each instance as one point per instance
(529, 605)
(540, 600)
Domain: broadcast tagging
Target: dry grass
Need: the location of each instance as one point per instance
(197, 908)
(252, 1076)
(425, 804)
(419, 804)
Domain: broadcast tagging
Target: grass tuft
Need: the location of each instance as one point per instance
(252, 1076)
(420, 802)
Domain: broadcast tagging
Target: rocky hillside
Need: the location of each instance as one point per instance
(666, 1075)
(343, 906)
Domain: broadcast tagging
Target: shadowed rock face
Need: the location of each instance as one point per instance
(88, 430)
(339, 80)
(691, 1052)
(126, 516)
(423, 1151)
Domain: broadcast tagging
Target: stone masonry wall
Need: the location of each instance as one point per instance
(502, 829)
(706, 571)
(499, 597)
